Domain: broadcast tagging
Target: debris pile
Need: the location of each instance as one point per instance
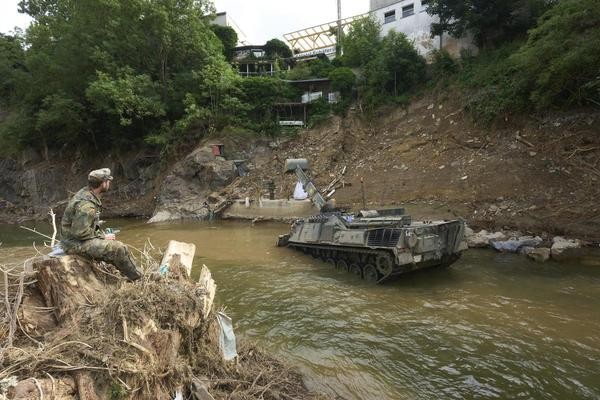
(73, 329)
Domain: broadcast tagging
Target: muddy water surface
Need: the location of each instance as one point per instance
(491, 326)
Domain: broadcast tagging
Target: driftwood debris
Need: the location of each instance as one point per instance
(81, 331)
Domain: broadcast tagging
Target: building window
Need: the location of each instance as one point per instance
(389, 16)
(408, 10)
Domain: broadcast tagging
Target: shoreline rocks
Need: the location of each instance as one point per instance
(534, 247)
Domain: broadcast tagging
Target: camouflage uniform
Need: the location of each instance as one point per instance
(81, 234)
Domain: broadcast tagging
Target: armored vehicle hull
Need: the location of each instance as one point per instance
(377, 245)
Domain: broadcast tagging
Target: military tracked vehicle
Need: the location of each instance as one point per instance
(375, 245)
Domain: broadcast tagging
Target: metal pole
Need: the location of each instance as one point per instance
(338, 47)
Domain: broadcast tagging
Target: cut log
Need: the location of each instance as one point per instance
(207, 283)
(185, 251)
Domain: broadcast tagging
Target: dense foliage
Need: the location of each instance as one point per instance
(557, 66)
(275, 48)
(116, 72)
(391, 66)
(489, 21)
(228, 37)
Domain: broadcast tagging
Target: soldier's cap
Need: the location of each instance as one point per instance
(102, 174)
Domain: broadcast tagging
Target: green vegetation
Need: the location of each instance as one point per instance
(228, 37)
(390, 67)
(120, 73)
(117, 73)
(558, 65)
(275, 48)
(491, 22)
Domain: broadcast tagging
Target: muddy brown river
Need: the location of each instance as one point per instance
(491, 326)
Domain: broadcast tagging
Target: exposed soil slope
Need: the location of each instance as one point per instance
(538, 175)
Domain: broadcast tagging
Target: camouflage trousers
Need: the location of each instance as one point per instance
(110, 251)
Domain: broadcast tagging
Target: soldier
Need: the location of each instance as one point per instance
(80, 227)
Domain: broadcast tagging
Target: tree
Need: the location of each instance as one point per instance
(228, 37)
(117, 69)
(489, 21)
(343, 80)
(361, 42)
(276, 48)
(12, 58)
(397, 66)
(560, 62)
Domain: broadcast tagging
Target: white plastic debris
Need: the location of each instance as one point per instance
(226, 337)
(299, 193)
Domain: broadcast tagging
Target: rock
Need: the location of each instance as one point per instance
(469, 232)
(516, 245)
(526, 250)
(483, 238)
(190, 184)
(540, 254)
(560, 244)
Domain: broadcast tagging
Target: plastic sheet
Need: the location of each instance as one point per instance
(227, 337)
(299, 193)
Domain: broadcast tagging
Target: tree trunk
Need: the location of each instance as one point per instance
(67, 283)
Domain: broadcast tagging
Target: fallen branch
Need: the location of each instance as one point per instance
(520, 139)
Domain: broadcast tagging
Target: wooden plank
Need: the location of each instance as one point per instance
(184, 251)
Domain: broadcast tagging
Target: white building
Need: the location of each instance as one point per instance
(410, 17)
(407, 16)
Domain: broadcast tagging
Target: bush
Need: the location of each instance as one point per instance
(561, 59)
(343, 80)
(443, 65)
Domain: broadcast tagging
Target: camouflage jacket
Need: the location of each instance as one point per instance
(81, 220)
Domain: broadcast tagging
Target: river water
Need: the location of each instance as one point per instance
(491, 326)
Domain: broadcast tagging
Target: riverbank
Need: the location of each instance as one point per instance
(538, 175)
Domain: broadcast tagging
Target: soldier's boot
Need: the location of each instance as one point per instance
(124, 263)
(129, 269)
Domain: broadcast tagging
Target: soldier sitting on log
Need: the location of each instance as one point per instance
(80, 227)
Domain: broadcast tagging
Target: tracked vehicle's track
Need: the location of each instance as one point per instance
(374, 266)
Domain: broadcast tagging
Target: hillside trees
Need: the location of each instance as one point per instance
(491, 22)
(390, 66)
(228, 37)
(115, 71)
(561, 59)
(276, 48)
(557, 67)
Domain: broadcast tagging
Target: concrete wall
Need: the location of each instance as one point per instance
(375, 4)
(416, 27)
(270, 209)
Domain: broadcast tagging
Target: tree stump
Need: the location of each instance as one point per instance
(67, 283)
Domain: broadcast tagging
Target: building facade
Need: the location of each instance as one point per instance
(411, 18)
(406, 16)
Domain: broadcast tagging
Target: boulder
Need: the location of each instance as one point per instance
(541, 254)
(483, 238)
(186, 190)
(560, 245)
